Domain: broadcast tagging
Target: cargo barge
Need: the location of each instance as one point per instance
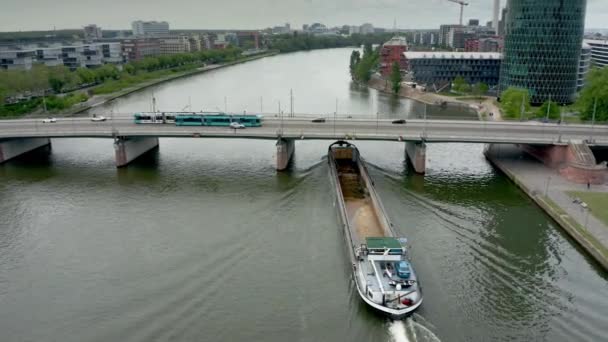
(381, 266)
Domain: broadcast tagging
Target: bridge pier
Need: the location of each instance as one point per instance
(574, 161)
(128, 149)
(11, 148)
(285, 149)
(416, 153)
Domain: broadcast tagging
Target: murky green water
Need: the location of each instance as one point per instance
(202, 240)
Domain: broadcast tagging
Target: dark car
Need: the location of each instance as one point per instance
(319, 120)
(399, 122)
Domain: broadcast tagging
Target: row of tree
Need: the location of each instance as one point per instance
(460, 85)
(59, 79)
(304, 41)
(362, 67)
(592, 102)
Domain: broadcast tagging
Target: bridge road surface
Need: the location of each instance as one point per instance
(304, 128)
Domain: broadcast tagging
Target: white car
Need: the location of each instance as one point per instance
(98, 118)
(49, 120)
(236, 125)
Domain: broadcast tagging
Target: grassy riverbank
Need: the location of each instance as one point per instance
(597, 202)
(73, 91)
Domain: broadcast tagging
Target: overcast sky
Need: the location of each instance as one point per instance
(24, 15)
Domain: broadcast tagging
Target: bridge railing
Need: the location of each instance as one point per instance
(342, 128)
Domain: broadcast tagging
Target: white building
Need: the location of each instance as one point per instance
(354, 30)
(14, 60)
(366, 28)
(599, 52)
(584, 65)
(92, 33)
(72, 56)
(150, 28)
(174, 45)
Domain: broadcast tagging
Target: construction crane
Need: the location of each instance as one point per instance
(462, 4)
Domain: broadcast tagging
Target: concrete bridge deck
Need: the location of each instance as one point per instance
(359, 129)
(132, 140)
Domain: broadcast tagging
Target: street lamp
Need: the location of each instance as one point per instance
(593, 119)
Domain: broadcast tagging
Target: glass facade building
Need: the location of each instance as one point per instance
(542, 48)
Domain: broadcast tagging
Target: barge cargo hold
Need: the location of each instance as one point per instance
(381, 267)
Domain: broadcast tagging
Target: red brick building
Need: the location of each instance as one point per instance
(391, 52)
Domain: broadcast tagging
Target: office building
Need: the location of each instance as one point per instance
(71, 56)
(599, 52)
(501, 23)
(439, 69)
(483, 45)
(150, 28)
(92, 33)
(392, 52)
(367, 28)
(584, 66)
(444, 34)
(495, 19)
(16, 60)
(174, 45)
(136, 49)
(542, 48)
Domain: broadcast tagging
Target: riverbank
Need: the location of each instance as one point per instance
(486, 109)
(98, 100)
(555, 196)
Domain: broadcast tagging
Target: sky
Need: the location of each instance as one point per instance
(26, 15)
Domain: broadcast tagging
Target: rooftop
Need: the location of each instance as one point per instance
(596, 41)
(451, 55)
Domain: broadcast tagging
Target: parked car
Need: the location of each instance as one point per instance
(399, 122)
(96, 118)
(49, 120)
(319, 120)
(236, 125)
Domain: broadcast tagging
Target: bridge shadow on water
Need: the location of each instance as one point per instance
(144, 168)
(34, 165)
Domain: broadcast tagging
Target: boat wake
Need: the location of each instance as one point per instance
(412, 329)
(397, 332)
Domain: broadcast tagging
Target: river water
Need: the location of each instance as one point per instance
(202, 240)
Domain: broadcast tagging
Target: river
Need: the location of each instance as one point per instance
(202, 240)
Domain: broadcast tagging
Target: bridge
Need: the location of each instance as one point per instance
(131, 140)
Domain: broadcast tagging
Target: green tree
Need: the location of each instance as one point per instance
(549, 107)
(512, 101)
(594, 96)
(460, 85)
(355, 58)
(367, 49)
(364, 69)
(480, 89)
(85, 75)
(396, 78)
(59, 78)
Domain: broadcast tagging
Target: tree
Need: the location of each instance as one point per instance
(551, 107)
(480, 89)
(396, 78)
(86, 75)
(595, 91)
(363, 71)
(367, 49)
(355, 58)
(512, 101)
(460, 85)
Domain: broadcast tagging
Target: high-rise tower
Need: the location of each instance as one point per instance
(542, 48)
(496, 12)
